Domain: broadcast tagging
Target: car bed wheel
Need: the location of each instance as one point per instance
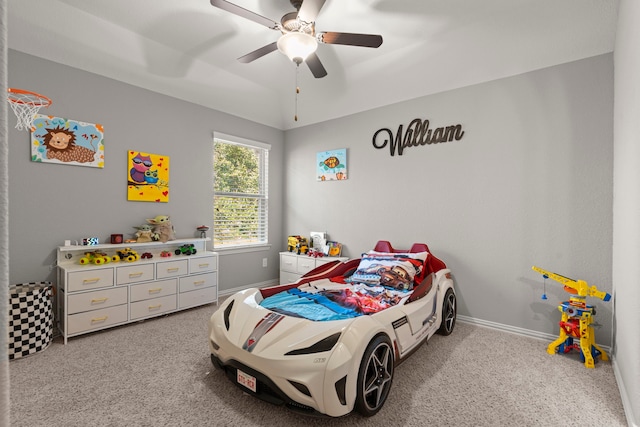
(448, 313)
(375, 376)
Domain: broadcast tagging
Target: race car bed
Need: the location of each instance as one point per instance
(383, 278)
(329, 343)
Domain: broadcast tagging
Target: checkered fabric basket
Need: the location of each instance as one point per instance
(30, 318)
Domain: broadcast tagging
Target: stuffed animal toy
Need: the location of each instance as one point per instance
(162, 228)
(144, 233)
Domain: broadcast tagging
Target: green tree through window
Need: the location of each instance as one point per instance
(240, 193)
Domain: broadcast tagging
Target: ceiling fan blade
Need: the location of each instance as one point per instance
(258, 53)
(316, 67)
(351, 39)
(309, 10)
(240, 11)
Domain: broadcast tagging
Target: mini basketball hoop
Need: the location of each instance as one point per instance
(25, 105)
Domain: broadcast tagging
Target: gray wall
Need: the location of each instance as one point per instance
(530, 183)
(49, 203)
(626, 239)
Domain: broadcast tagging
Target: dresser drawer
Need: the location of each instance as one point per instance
(198, 297)
(287, 277)
(134, 273)
(161, 288)
(153, 307)
(306, 264)
(90, 279)
(289, 263)
(85, 301)
(197, 281)
(96, 319)
(172, 268)
(203, 264)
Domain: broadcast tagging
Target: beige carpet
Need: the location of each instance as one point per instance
(158, 373)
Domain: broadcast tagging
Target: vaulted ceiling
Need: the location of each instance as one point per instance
(188, 49)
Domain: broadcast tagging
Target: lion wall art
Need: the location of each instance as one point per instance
(63, 141)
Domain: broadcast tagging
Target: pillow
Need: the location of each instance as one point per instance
(422, 256)
(394, 270)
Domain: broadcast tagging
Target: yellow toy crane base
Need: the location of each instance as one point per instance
(588, 348)
(576, 320)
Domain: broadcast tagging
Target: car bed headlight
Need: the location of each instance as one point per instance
(227, 313)
(324, 344)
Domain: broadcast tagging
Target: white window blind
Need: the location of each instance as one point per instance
(241, 197)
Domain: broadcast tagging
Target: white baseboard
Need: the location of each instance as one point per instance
(626, 401)
(227, 292)
(515, 330)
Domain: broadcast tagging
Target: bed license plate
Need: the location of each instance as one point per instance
(246, 380)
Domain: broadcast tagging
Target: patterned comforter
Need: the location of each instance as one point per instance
(333, 300)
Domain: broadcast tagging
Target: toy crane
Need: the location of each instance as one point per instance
(576, 320)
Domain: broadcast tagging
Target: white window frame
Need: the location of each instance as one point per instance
(262, 195)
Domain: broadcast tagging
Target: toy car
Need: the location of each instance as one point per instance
(188, 249)
(165, 254)
(315, 253)
(95, 257)
(337, 354)
(126, 254)
(146, 255)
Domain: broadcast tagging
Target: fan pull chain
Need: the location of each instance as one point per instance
(295, 117)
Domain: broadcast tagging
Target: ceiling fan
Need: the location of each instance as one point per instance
(299, 39)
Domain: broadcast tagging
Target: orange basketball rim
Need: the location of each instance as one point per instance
(26, 104)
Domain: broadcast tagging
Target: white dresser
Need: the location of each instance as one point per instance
(93, 297)
(293, 266)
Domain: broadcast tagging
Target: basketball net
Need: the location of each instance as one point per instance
(25, 105)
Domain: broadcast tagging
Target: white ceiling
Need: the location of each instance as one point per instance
(188, 49)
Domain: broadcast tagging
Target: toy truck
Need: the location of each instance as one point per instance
(297, 244)
(95, 257)
(188, 249)
(126, 254)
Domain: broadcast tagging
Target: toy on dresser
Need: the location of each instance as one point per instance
(162, 228)
(144, 233)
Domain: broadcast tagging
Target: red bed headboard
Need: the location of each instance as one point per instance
(434, 264)
(385, 246)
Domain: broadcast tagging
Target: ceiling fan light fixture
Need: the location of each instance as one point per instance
(297, 46)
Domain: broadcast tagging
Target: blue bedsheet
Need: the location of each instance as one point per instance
(295, 302)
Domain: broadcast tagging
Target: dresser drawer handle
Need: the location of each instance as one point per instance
(93, 280)
(171, 270)
(199, 282)
(99, 319)
(203, 265)
(132, 275)
(98, 300)
(154, 307)
(155, 290)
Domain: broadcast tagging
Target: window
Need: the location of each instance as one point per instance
(240, 196)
